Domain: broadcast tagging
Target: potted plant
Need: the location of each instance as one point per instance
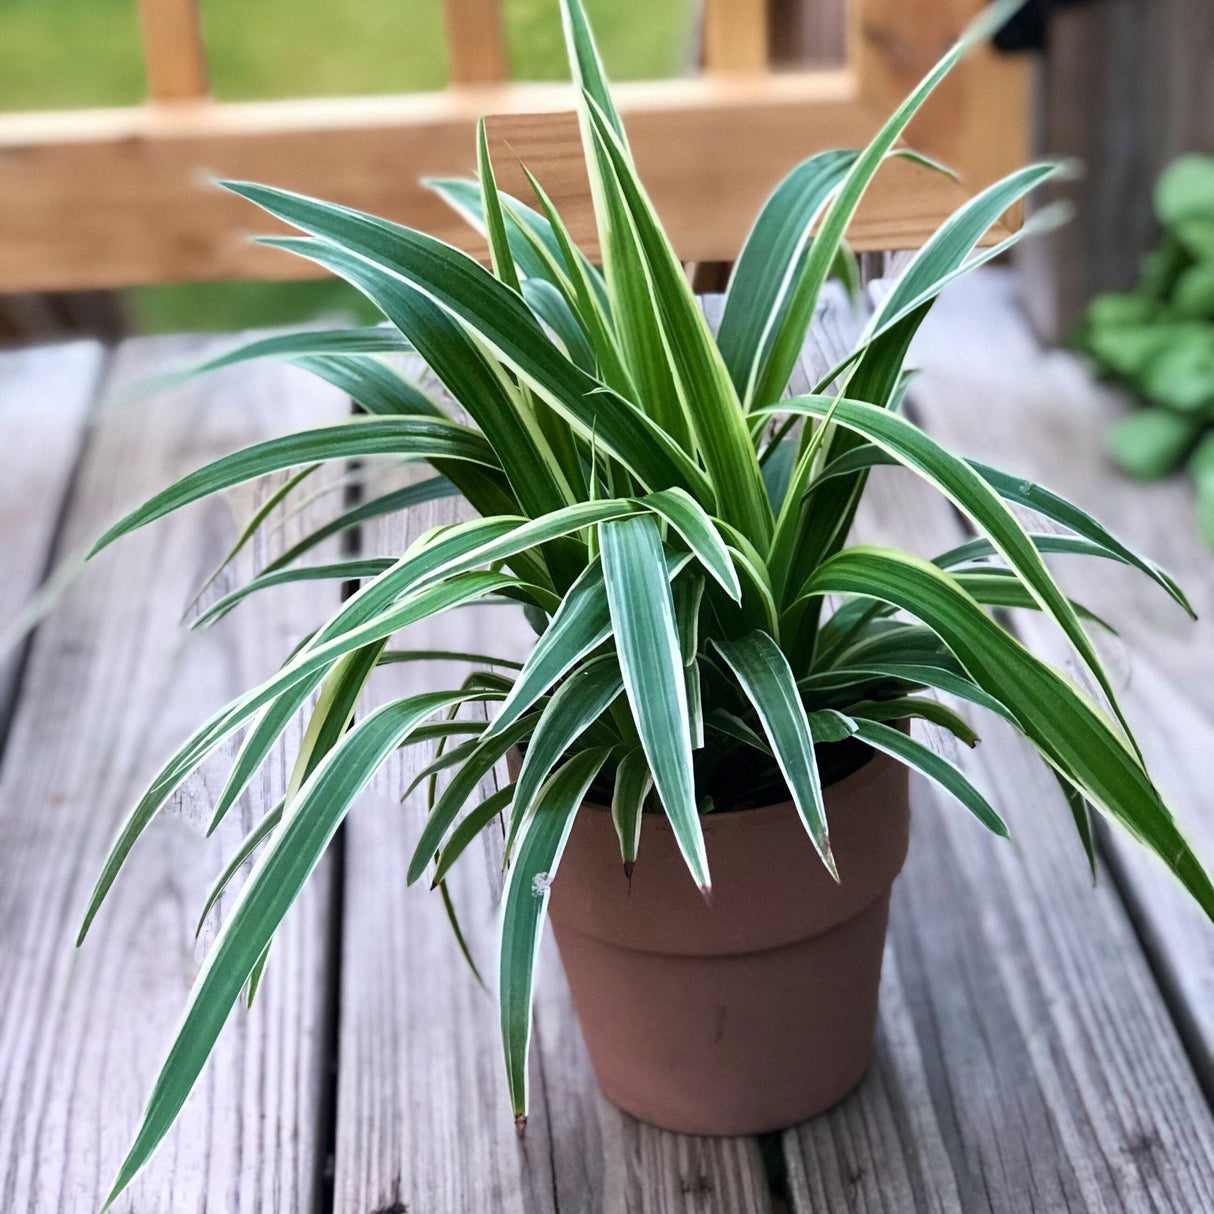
(708, 763)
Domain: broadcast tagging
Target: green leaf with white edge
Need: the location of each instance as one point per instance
(698, 531)
(443, 760)
(788, 338)
(1023, 492)
(467, 829)
(637, 579)
(259, 742)
(577, 704)
(550, 306)
(777, 240)
(490, 751)
(633, 781)
(496, 315)
(688, 592)
(927, 762)
(771, 687)
(383, 339)
(1082, 817)
(906, 707)
(939, 678)
(251, 528)
(276, 880)
(1066, 727)
(491, 209)
(705, 388)
(525, 899)
(372, 384)
(429, 490)
(828, 725)
(251, 842)
(228, 719)
(413, 437)
(579, 626)
(971, 495)
(585, 65)
(999, 587)
(345, 571)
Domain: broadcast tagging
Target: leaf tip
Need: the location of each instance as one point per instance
(629, 869)
(520, 1125)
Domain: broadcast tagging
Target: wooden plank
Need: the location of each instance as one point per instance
(45, 394)
(105, 198)
(1025, 1058)
(977, 120)
(476, 44)
(422, 1080)
(111, 687)
(1125, 88)
(735, 35)
(1047, 420)
(173, 53)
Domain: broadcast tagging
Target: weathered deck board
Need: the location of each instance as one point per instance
(988, 389)
(111, 686)
(423, 1115)
(45, 395)
(1025, 1061)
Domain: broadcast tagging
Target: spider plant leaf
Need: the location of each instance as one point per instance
(345, 571)
(768, 681)
(395, 656)
(637, 580)
(500, 254)
(371, 253)
(698, 531)
(441, 762)
(414, 437)
(1066, 727)
(467, 829)
(276, 880)
(926, 761)
(229, 718)
(372, 384)
(1082, 817)
(382, 339)
(251, 842)
(1046, 542)
(905, 707)
(788, 337)
(551, 307)
(778, 239)
(999, 587)
(972, 495)
(576, 705)
(688, 592)
(633, 782)
(488, 753)
(585, 65)
(251, 528)
(1023, 492)
(525, 899)
(429, 490)
(261, 739)
(705, 389)
(579, 626)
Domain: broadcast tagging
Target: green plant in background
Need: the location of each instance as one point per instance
(675, 528)
(1158, 340)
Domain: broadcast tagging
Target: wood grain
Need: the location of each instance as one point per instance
(422, 1081)
(1047, 420)
(105, 198)
(111, 687)
(1025, 1058)
(45, 395)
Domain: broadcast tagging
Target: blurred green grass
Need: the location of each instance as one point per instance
(61, 54)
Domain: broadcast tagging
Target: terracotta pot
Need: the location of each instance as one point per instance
(757, 1010)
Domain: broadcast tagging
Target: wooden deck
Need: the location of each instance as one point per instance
(1043, 1045)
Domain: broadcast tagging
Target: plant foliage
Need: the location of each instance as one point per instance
(676, 528)
(1158, 340)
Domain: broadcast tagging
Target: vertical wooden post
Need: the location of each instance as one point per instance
(735, 35)
(476, 43)
(173, 54)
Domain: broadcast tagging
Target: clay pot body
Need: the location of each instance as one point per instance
(758, 1009)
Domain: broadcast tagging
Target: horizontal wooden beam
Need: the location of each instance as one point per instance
(111, 198)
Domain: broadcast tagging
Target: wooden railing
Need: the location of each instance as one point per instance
(116, 197)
